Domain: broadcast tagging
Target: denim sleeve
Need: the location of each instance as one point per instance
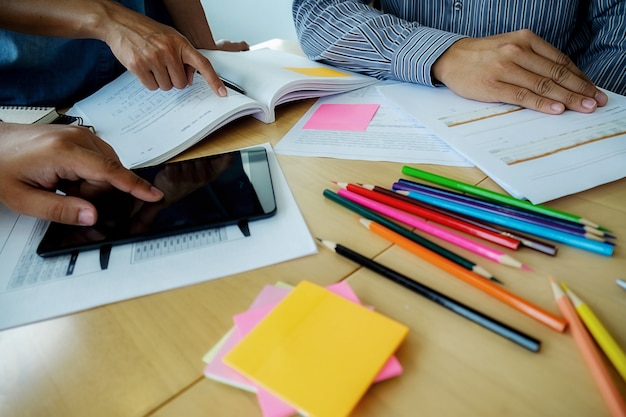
(43, 70)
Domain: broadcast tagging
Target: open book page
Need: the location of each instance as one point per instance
(530, 154)
(148, 127)
(274, 77)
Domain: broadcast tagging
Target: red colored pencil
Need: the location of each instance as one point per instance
(524, 240)
(392, 200)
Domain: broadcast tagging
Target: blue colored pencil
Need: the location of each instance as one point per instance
(520, 225)
(497, 208)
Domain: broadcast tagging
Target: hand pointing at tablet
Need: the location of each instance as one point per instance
(35, 160)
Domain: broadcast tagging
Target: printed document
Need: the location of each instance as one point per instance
(391, 135)
(531, 155)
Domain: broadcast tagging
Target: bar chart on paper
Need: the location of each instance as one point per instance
(560, 142)
(454, 119)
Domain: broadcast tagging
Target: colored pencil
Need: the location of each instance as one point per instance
(492, 195)
(503, 210)
(621, 283)
(398, 201)
(602, 336)
(591, 355)
(451, 237)
(451, 256)
(488, 287)
(524, 240)
(457, 307)
(522, 226)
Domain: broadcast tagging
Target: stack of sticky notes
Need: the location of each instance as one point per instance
(308, 350)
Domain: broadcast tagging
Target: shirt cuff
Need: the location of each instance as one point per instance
(415, 57)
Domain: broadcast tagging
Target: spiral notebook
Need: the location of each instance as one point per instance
(36, 115)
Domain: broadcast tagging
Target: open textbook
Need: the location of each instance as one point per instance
(531, 155)
(148, 127)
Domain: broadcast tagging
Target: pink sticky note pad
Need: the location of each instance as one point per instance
(216, 369)
(351, 117)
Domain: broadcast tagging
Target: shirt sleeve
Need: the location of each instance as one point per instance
(603, 45)
(354, 36)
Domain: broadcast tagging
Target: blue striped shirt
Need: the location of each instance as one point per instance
(404, 40)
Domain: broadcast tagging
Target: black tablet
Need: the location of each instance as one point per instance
(229, 188)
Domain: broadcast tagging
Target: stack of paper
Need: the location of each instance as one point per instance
(531, 155)
(310, 350)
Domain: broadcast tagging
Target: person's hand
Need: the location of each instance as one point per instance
(517, 68)
(36, 159)
(156, 53)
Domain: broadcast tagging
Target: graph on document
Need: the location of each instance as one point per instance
(549, 145)
(476, 115)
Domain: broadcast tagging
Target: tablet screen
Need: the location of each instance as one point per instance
(199, 193)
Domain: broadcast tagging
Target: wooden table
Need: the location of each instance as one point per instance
(143, 357)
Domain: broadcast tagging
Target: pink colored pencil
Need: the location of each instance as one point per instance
(591, 354)
(432, 229)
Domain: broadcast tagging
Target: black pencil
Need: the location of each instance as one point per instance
(457, 307)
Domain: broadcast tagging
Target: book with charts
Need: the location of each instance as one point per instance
(149, 127)
(35, 115)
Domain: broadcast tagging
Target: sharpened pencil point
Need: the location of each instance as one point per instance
(327, 243)
(496, 280)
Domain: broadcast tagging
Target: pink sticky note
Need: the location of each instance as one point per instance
(216, 369)
(352, 117)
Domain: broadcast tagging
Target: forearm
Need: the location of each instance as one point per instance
(189, 19)
(68, 18)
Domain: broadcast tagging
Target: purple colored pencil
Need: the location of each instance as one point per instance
(495, 208)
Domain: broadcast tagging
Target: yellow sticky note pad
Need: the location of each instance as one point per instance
(318, 72)
(317, 351)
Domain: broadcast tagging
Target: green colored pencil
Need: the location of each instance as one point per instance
(371, 215)
(494, 196)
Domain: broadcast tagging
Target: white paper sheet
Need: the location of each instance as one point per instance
(530, 154)
(392, 136)
(33, 288)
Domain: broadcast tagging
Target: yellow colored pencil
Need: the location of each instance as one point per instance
(610, 347)
(611, 394)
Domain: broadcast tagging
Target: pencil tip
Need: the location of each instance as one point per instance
(526, 268)
(327, 243)
(496, 280)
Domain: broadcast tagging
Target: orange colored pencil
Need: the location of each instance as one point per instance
(496, 291)
(589, 350)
